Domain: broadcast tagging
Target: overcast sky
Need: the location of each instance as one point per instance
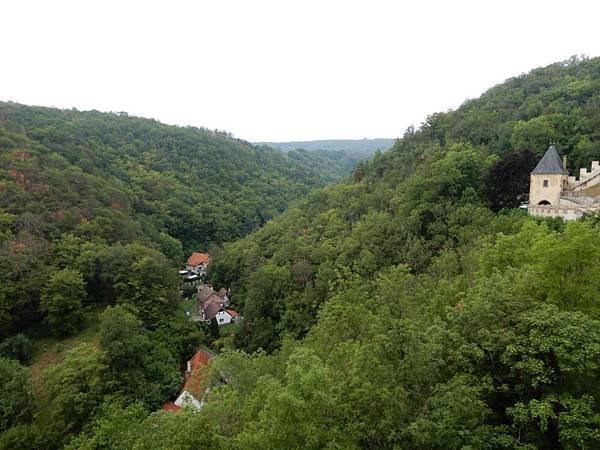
(281, 70)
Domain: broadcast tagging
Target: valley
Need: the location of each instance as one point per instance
(391, 299)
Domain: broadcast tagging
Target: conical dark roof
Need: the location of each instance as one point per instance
(550, 163)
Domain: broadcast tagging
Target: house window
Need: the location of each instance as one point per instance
(221, 320)
(545, 183)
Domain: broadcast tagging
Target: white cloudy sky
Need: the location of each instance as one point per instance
(281, 70)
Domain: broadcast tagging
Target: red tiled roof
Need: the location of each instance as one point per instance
(194, 379)
(233, 313)
(196, 259)
(193, 383)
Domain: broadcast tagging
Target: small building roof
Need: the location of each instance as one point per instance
(233, 313)
(209, 302)
(204, 293)
(213, 298)
(222, 292)
(550, 163)
(196, 259)
(193, 388)
(193, 383)
(211, 309)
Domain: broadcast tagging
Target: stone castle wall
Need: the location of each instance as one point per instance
(566, 213)
(565, 195)
(587, 178)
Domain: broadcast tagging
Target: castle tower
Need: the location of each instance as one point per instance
(548, 180)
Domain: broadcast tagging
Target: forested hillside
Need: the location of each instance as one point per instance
(197, 185)
(346, 152)
(412, 306)
(96, 214)
(401, 207)
(402, 311)
(73, 179)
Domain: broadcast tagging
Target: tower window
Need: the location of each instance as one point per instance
(545, 183)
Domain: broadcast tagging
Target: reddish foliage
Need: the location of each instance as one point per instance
(22, 155)
(16, 247)
(19, 177)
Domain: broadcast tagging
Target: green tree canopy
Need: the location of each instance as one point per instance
(16, 400)
(61, 301)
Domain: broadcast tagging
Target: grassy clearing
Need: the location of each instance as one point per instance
(189, 304)
(48, 351)
(51, 350)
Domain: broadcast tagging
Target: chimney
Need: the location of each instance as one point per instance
(189, 366)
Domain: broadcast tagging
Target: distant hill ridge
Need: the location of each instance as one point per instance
(362, 146)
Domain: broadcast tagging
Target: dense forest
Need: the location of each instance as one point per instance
(197, 185)
(414, 305)
(346, 152)
(96, 214)
(87, 181)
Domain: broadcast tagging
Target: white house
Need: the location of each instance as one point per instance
(197, 262)
(213, 305)
(187, 399)
(193, 392)
(226, 316)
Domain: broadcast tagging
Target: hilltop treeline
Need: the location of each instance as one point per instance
(350, 147)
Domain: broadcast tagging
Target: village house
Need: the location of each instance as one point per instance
(193, 392)
(214, 305)
(197, 263)
(195, 268)
(553, 193)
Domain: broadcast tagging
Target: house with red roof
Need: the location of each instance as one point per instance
(225, 316)
(233, 314)
(197, 262)
(194, 391)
